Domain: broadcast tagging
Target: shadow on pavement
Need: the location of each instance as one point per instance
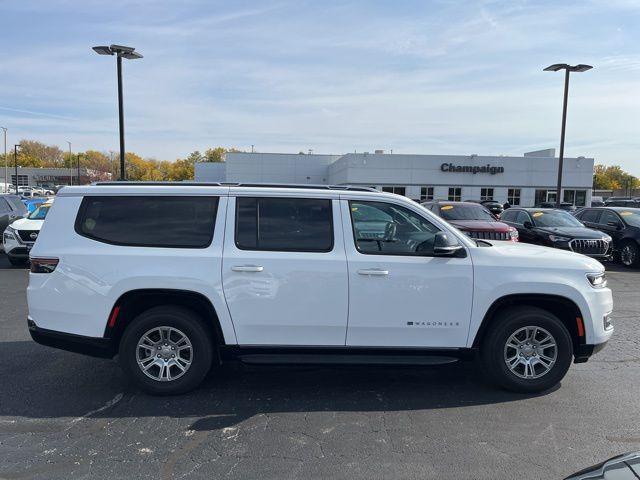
(42, 383)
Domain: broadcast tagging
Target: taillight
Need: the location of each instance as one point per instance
(43, 265)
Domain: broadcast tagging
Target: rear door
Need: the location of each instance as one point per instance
(400, 295)
(5, 212)
(284, 269)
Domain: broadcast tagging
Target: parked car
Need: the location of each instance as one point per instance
(496, 208)
(473, 219)
(19, 237)
(623, 225)
(11, 208)
(597, 203)
(301, 275)
(557, 229)
(628, 203)
(620, 467)
(570, 207)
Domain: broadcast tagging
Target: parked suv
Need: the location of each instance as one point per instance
(11, 208)
(19, 237)
(623, 225)
(174, 278)
(557, 229)
(473, 219)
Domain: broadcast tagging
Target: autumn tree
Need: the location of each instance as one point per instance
(612, 178)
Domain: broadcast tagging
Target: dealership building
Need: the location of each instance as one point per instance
(526, 180)
(42, 177)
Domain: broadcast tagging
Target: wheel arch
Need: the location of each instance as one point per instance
(132, 303)
(564, 308)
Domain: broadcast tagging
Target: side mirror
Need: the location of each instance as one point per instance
(446, 245)
(528, 225)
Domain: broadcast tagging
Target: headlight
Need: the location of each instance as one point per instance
(607, 239)
(556, 238)
(9, 234)
(514, 235)
(597, 280)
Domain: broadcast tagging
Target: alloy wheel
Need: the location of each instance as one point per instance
(530, 352)
(164, 354)
(628, 255)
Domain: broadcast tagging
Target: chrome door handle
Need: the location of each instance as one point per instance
(247, 268)
(373, 271)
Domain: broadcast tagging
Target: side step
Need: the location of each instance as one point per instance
(341, 359)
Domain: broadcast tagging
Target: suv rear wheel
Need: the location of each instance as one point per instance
(166, 350)
(527, 350)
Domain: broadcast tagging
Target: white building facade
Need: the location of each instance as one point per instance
(527, 180)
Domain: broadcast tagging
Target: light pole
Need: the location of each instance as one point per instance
(15, 162)
(70, 165)
(567, 68)
(130, 54)
(6, 160)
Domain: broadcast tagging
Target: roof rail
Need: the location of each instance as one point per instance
(355, 188)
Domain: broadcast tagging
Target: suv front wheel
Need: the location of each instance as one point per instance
(527, 349)
(166, 350)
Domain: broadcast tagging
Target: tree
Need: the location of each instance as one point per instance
(215, 155)
(612, 178)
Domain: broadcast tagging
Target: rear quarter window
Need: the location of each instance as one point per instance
(148, 221)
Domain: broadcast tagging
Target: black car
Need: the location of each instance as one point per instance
(558, 229)
(495, 207)
(627, 202)
(11, 208)
(622, 224)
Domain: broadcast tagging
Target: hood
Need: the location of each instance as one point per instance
(516, 253)
(26, 224)
(480, 225)
(573, 232)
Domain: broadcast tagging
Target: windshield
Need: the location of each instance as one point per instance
(465, 212)
(39, 213)
(555, 219)
(631, 216)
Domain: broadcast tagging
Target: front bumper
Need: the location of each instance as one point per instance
(91, 346)
(15, 247)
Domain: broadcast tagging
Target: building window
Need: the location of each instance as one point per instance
(513, 196)
(23, 180)
(426, 194)
(455, 194)
(486, 194)
(394, 189)
(575, 197)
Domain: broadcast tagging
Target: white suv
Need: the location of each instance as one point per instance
(174, 278)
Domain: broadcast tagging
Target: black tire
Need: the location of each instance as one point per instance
(187, 322)
(508, 322)
(17, 262)
(629, 258)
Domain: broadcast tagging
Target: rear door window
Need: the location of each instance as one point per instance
(284, 224)
(149, 221)
(590, 216)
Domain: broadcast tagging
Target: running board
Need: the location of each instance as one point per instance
(338, 359)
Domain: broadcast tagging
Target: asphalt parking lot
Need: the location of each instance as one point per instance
(65, 416)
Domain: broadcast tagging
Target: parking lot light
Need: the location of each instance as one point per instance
(567, 68)
(15, 161)
(120, 51)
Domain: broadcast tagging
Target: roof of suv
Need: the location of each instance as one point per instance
(204, 188)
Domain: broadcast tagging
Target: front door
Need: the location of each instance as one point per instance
(400, 295)
(284, 271)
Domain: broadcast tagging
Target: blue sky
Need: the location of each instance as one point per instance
(412, 76)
